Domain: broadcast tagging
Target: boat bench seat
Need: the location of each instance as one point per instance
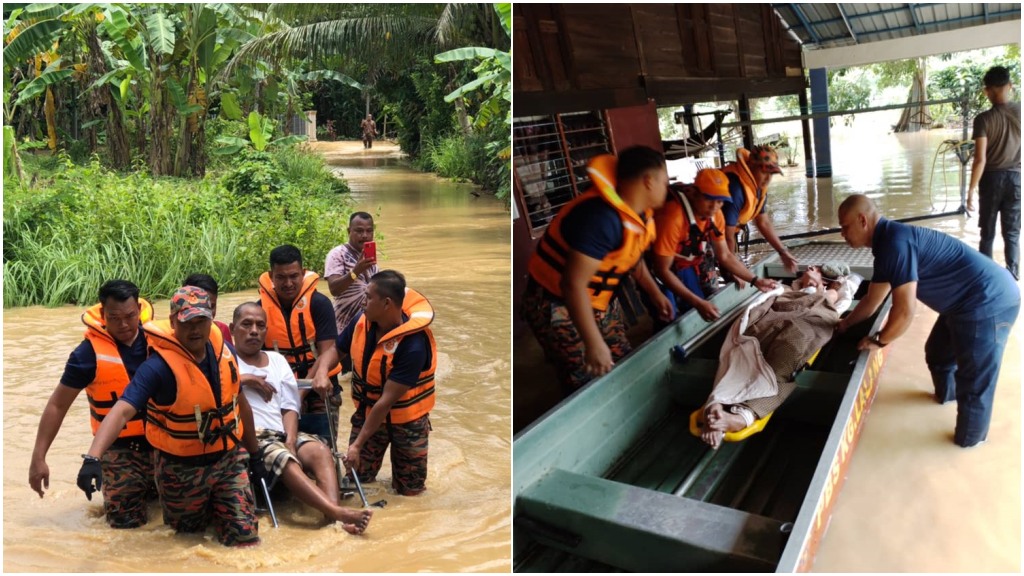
(643, 530)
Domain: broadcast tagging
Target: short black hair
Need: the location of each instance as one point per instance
(119, 290)
(997, 77)
(204, 281)
(285, 254)
(390, 284)
(637, 160)
(238, 310)
(363, 215)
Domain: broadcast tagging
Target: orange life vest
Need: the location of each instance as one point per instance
(196, 423)
(111, 375)
(368, 381)
(755, 196)
(547, 263)
(692, 250)
(293, 337)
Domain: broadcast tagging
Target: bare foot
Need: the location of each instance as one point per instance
(712, 438)
(354, 521)
(709, 435)
(721, 419)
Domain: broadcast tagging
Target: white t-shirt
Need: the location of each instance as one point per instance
(267, 415)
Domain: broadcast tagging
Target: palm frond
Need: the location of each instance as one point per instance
(380, 37)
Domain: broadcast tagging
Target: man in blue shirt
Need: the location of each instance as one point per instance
(976, 299)
(102, 365)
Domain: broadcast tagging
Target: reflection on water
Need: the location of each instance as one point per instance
(454, 248)
(901, 172)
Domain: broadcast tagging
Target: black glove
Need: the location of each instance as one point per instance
(90, 474)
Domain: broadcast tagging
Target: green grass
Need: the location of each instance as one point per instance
(76, 227)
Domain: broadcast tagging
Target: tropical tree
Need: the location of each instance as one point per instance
(376, 40)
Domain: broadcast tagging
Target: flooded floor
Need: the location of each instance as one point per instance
(912, 501)
(454, 248)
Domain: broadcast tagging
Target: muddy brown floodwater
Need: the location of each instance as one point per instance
(454, 248)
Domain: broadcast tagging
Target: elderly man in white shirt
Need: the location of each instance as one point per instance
(287, 454)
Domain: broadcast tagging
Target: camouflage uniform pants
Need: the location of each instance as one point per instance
(408, 453)
(127, 484)
(549, 319)
(193, 493)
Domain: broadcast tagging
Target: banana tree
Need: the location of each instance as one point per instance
(32, 35)
(494, 76)
(261, 130)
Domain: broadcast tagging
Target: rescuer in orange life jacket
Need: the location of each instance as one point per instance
(114, 347)
(592, 244)
(394, 357)
(691, 242)
(197, 420)
(301, 327)
(749, 177)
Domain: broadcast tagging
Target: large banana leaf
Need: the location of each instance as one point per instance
(289, 140)
(504, 12)
(260, 130)
(229, 106)
(40, 83)
(207, 40)
(331, 75)
(37, 38)
(470, 53)
(122, 33)
(232, 145)
(179, 99)
(161, 32)
(43, 11)
(470, 86)
(108, 78)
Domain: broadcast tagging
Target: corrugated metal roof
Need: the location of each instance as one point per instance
(831, 25)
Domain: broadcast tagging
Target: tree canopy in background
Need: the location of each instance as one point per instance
(165, 85)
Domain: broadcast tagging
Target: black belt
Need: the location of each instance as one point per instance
(136, 443)
(200, 460)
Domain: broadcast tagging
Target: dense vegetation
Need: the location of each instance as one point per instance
(149, 141)
(80, 225)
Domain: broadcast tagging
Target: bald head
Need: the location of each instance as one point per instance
(858, 204)
(858, 216)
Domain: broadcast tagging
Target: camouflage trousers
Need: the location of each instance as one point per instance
(192, 494)
(408, 452)
(549, 319)
(127, 483)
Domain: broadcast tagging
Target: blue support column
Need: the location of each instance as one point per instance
(822, 142)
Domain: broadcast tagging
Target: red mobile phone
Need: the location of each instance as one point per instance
(370, 250)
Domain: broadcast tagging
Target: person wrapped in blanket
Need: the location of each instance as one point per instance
(284, 453)
(776, 335)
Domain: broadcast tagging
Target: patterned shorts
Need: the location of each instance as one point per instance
(549, 319)
(192, 493)
(408, 453)
(127, 484)
(275, 453)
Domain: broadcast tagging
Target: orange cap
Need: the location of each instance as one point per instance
(714, 184)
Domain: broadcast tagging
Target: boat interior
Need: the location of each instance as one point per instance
(661, 499)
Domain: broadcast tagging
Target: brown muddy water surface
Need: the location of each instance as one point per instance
(451, 246)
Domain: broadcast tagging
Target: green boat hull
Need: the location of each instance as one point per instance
(611, 479)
